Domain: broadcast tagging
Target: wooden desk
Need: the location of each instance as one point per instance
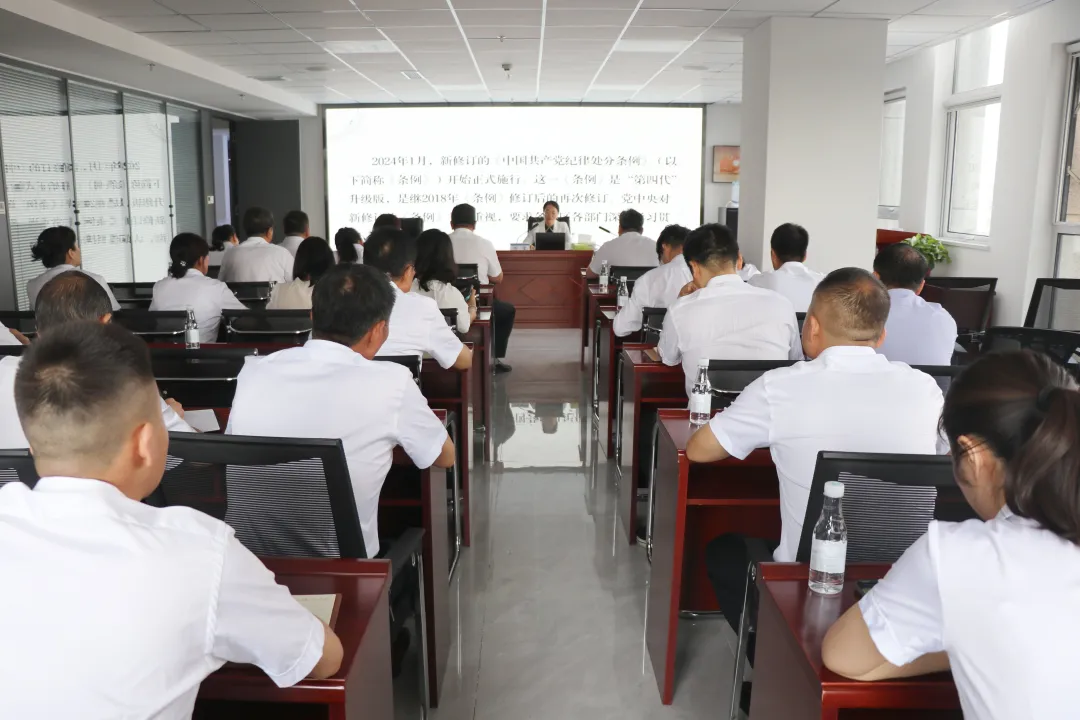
(544, 286)
(483, 371)
(694, 503)
(592, 297)
(606, 376)
(449, 390)
(485, 295)
(790, 682)
(362, 688)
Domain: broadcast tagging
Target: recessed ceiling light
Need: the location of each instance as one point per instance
(695, 68)
(357, 47)
(319, 68)
(271, 78)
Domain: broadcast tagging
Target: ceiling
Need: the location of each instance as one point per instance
(421, 51)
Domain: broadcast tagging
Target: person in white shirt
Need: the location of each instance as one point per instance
(350, 248)
(139, 603)
(790, 276)
(629, 249)
(471, 249)
(435, 275)
(918, 332)
(847, 398)
(257, 259)
(720, 317)
(550, 224)
(332, 388)
(994, 600)
(297, 228)
(71, 296)
(660, 287)
(11, 337)
(314, 258)
(223, 238)
(58, 250)
(417, 326)
(187, 286)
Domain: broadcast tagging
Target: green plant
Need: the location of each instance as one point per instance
(930, 248)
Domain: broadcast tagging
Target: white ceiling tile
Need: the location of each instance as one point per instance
(510, 31)
(210, 7)
(784, 6)
(857, 16)
(976, 8)
(591, 35)
(877, 7)
(685, 34)
(577, 18)
(253, 60)
(114, 8)
(432, 47)
(906, 38)
(506, 47)
(677, 18)
(221, 51)
(323, 20)
(627, 4)
(497, 18)
(285, 35)
(666, 47)
(932, 23)
(305, 5)
(346, 34)
(422, 34)
(155, 23)
(412, 18)
(297, 48)
(690, 4)
(891, 49)
(242, 21)
(181, 39)
(741, 19)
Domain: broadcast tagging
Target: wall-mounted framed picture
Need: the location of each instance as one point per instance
(725, 163)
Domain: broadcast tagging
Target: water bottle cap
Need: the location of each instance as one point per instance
(834, 489)
(703, 362)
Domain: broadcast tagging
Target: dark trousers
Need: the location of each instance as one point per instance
(502, 324)
(727, 558)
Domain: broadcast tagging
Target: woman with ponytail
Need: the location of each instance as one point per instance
(187, 286)
(58, 250)
(997, 600)
(350, 248)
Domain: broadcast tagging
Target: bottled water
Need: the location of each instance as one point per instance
(623, 295)
(701, 395)
(605, 270)
(828, 552)
(191, 331)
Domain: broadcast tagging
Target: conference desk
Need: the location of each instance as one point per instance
(592, 297)
(449, 390)
(790, 682)
(361, 689)
(692, 504)
(544, 286)
(483, 372)
(606, 375)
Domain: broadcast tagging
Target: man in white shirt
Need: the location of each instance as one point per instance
(918, 332)
(471, 249)
(140, 604)
(551, 224)
(332, 388)
(790, 276)
(629, 249)
(660, 287)
(297, 228)
(847, 398)
(720, 317)
(257, 259)
(417, 325)
(69, 297)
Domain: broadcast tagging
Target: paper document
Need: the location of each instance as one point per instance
(653, 355)
(202, 420)
(321, 606)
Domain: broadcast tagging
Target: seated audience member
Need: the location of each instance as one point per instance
(747, 271)
(332, 388)
(847, 398)
(350, 248)
(790, 277)
(416, 324)
(223, 238)
(472, 249)
(660, 287)
(720, 317)
(629, 249)
(994, 600)
(314, 258)
(257, 259)
(58, 251)
(297, 227)
(71, 296)
(435, 274)
(187, 286)
(137, 604)
(386, 220)
(918, 332)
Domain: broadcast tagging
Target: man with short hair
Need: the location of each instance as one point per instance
(297, 229)
(660, 287)
(386, 220)
(139, 603)
(790, 276)
(918, 332)
(333, 388)
(629, 249)
(417, 325)
(720, 317)
(257, 259)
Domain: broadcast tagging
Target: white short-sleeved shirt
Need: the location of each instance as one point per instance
(1001, 599)
(293, 295)
(793, 280)
(292, 243)
(748, 272)
(256, 260)
(447, 297)
(559, 227)
(33, 287)
(918, 332)
(325, 390)
(631, 249)
(6, 336)
(658, 288)
(729, 320)
(849, 399)
(132, 606)
(471, 249)
(207, 296)
(417, 326)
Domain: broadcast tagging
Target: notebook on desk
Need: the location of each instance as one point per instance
(653, 354)
(324, 607)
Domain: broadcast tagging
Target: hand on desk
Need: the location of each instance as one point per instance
(177, 407)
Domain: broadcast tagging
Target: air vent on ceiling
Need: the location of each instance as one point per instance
(271, 78)
(412, 75)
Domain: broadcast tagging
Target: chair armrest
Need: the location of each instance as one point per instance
(403, 547)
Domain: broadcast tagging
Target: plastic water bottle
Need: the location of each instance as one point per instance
(622, 296)
(605, 270)
(828, 552)
(191, 331)
(701, 395)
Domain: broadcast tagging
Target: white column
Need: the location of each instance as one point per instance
(811, 148)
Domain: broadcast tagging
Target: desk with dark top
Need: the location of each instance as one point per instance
(361, 689)
(483, 371)
(592, 297)
(790, 682)
(692, 504)
(544, 286)
(449, 390)
(606, 374)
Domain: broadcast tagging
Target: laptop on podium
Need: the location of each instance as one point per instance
(550, 241)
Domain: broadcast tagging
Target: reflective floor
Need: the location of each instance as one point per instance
(548, 604)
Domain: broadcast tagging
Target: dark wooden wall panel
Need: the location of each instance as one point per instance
(544, 286)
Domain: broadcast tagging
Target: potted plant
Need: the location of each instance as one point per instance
(930, 248)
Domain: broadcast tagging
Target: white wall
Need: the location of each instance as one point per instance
(723, 126)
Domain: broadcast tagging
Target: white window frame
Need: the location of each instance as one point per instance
(1071, 114)
(962, 101)
(891, 212)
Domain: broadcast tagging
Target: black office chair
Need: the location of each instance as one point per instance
(17, 466)
(12, 350)
(630, 272)
(153, 325)
(970, 301)
(1055, 304)
(450, 315)
(652, 322)
(534, 221)
(203, 378)
(133, 295)
(21, 320)
(253, 294)
(468, 271)
(1062, 346)
(412, 226)
(414, 363)
(800, 319)
(282, 327)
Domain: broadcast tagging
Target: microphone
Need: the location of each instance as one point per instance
(605, 229)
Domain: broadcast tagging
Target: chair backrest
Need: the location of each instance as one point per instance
(286, 327)
(413, 362)
(12, 350)
(199, 378)
(1055, 304)
(800, 319)
(730, 377)
(159, 325)
(251, 292)
(652, 322)
(630, 272)
(132, 291)
(468, 271)
(450, 315)
(944, 374)
(970, 300)
(534, 221)
(21, 320)
(1058, 344)
(284, 497)
(17, 466)
(412, 226)
(889, 500)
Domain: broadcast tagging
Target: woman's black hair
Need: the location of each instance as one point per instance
(185, 251)
(434, 258)
(1025, 409)
(345, 240)
(221, 235)
(553, 204)
(313, 258)
(53, 245)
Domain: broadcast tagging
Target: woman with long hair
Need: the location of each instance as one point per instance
(58, 250)
(223, 238)
(313, 259)
(435, 274)
(350, 248)
(187, 286)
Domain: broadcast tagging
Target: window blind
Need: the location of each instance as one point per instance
(149, 187)
(184, 144)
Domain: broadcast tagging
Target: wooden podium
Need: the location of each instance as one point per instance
(544, 285)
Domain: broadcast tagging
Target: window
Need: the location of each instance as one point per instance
(1069, 212)
(973, 143)
(892, 162)
(980, 58)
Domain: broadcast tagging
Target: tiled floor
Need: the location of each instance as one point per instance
(549, 602)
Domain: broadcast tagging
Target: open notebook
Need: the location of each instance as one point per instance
(321, 606)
